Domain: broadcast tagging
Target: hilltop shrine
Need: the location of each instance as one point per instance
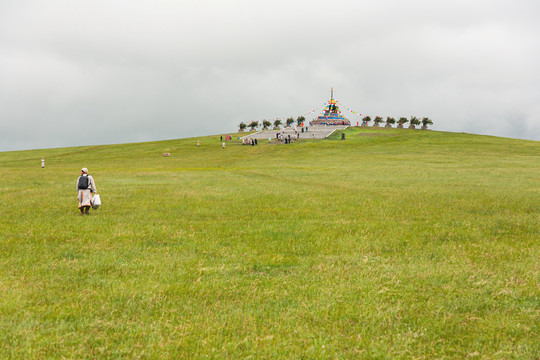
(331, 114)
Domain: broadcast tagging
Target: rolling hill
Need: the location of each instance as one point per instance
(390, 244)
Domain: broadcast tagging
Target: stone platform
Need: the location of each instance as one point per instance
(314, 132)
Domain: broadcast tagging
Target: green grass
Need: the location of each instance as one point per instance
(392, 244)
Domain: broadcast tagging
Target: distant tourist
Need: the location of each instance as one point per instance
(223, 145)
(85, 187)
(42, 163)
(221, 138)
(198, 143)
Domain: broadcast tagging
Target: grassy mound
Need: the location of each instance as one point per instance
(391, 244)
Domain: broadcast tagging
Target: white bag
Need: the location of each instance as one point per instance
(96, 201)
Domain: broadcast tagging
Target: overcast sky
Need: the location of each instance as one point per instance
(76, 72)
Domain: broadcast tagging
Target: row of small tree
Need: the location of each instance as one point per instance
(266, 124)
(365, 122)
(401, 122)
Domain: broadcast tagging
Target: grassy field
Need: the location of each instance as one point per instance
(392, 244)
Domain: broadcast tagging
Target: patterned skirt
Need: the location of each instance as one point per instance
(84, 198)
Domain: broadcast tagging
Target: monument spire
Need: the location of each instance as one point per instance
(331, 114)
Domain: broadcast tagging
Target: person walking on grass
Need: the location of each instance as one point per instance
(85, 186)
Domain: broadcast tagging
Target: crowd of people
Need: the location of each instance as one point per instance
(288, 138)
(249, 141)
(280, 136)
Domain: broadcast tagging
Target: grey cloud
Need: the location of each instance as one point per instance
(161, 69)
